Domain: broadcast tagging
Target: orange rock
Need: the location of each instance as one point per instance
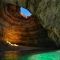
(20, 29)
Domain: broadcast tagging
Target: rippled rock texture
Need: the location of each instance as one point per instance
(48, 13)
(26, 31)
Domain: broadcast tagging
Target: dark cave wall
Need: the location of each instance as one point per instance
(48, 13)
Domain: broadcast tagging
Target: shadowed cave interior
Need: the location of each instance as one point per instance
(23, 30)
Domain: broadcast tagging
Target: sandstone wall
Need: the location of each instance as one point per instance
(48, 13)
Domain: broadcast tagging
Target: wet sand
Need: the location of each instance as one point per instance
(12, 48)
(25, 50)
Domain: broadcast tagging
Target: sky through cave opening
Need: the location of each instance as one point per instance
(25, 11)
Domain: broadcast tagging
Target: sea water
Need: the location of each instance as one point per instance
(30, 55)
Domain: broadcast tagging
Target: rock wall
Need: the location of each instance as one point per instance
(15, 28)
(48, 13)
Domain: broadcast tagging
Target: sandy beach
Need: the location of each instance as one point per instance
(12, 48)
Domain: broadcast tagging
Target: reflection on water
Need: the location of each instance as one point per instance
(30, 55)
(11, 55)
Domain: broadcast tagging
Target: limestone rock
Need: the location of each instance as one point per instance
(15, 28)
(48, 13)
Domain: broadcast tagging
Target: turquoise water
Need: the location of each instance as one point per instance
(44, 56)
(28, 55)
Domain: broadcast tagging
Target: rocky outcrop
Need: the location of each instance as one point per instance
(48, 13)
(16, 28)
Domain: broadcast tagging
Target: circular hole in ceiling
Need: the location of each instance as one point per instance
(25, 11)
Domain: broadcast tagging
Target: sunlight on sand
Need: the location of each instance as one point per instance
(11, 44)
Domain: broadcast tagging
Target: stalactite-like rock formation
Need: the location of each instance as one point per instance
(15, 28)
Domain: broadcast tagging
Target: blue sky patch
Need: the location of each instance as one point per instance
(25, 11)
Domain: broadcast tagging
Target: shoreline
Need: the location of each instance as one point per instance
(13, 48)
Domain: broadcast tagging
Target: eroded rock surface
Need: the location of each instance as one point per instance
(48, 13)
(15, 28)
